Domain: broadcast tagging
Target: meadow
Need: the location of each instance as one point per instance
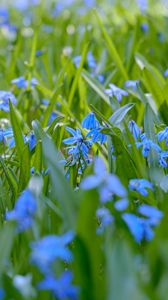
(83, 150)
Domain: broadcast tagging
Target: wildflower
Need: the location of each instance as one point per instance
(81, 145)
(2, 294)
(116, 92)
(153, 213)
(21, 82)
(139, 227)
(140, 185)
(97, 135)
(163, 135)
(134, 129)
(24, 211)
(144, 27)
(163, 160)
(4, 100)
(90, 121)
(48, 249)
(61, 287)
(166, 73)
(4, 16)
(7, 137)
(142, 227)
(132, 84)
(24, 285)
(107, 184)
(143, 4)
(121, 204)
(147, 145)
(105, 218)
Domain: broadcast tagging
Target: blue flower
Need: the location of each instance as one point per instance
(139, 227)
(116, 92)
(7, 137)
(24, 211)
(143, 4)
(140, 185)
(81, 147)
(105, 218)
(163, 135)
(90, 121)
(144, 27)
(151, 212)
(147, 145)
(134, 129)
(163, 160)
(132, 84)
(121, 204)
(32, 141)
(4, 100)
(166, 73)
(4, 16)
(107, 184)
(91, 60)
(21, 82)
(61, 287)
(2, 294)
(48, 249)
(97, 135)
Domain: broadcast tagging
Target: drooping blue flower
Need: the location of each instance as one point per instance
(139, 227)
(163, 135)
(105, 218)
(121, 204)
(32, 141)
(166, 73)
(62, 287)
(132, 84)
(107, 184)
(21, 82)
(143, 5)
(97, 135)
(4, 100)
(134, 129)
(7, 137)
(50, 248)
(163, 160)
(4, 16)
(153, 214)
(116, 92)
(147, 145)
(90, 121)
(144, 27)
(24, 211)
(141, 186)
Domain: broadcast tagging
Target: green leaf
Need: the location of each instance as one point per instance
(19, 141)
(95, 85)
(6, 237)
(111, 48)
(120, 114)
(122, 280)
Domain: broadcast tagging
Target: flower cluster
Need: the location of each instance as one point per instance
(45, 254)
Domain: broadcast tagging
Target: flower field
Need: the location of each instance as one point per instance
(83, 150)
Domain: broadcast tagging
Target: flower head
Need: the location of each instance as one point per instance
(90, 121)
(61, 287)
(48, 249)
(134, 129)
(141, 186)
(107, 184)
(24, 211)
(4, 100)
(116, 92)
